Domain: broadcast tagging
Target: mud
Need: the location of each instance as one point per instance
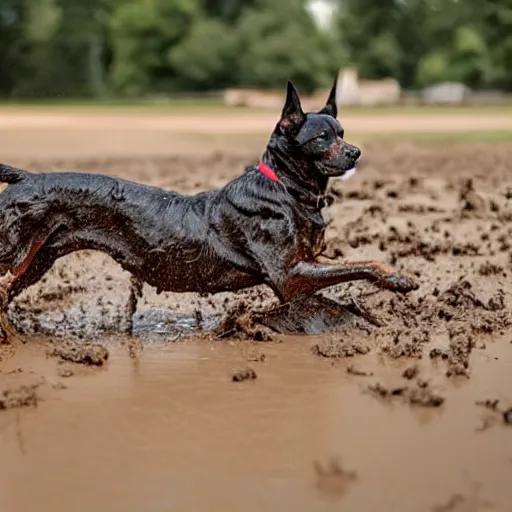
(420, 395)
(245, 374)
(390, 390)
(332, 478)
(23, 396)
(80, 353)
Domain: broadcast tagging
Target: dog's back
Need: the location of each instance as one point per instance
(10, 174)
(153, 233)
(36, 205)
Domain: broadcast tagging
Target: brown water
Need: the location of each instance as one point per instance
(171, 431)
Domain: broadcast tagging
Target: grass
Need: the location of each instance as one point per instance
(258, 140)
(192, 106)
(440, 137)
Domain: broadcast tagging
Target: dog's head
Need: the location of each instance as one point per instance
(313, 143)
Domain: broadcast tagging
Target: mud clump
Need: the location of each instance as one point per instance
(332, 478)
(239, 322)
(471, 203)
(65, 372)
(410, 373)
(14, 398)
(418, 396)
(490, 269)
(383, 392)
(407, 343)
(257, 358)
(424, 398)
(351, 370)
(135, 347)
(459, 350)
(88, 354)
(461, 295)
(457, 312)
(244, 374)
(494, 407)
(461, 345)
(336, 347)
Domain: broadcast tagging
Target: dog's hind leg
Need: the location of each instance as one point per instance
(38, 267)
(29, 272)
(8, 284)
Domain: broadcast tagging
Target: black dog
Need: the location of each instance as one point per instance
(265, 226)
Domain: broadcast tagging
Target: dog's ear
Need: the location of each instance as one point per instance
(331, 107)
(292, 116)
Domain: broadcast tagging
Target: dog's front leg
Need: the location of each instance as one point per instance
(307, 278)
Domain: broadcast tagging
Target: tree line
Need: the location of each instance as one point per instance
(100, 48)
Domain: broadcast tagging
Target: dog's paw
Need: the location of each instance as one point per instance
(398, 283)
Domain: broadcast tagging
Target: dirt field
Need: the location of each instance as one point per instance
(413, 415)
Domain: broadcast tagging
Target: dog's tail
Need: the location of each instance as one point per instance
(10, 174)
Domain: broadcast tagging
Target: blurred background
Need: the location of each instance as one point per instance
(157, 77)
(154, 48)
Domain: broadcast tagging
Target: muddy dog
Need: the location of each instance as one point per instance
(264, 227)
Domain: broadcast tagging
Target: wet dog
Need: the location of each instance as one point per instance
(264, 227)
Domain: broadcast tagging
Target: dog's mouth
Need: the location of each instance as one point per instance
(348, 174)
(345, 172)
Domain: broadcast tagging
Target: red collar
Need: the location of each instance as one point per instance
(267, 171)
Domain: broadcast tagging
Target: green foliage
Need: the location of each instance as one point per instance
(227, 10)
(466, 60)
(78, 48)
(368, 32)
(143, 32)
(206, 58)
(433, 68)
(496, 19)
(278, 41)
(11, 45)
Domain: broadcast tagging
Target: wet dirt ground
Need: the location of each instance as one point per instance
(410, 415)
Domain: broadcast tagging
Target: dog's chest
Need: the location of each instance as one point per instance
(310, 234)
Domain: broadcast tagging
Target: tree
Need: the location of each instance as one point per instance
(59, 47)
(226, 10)
(369, 33)
(278, 41)
(143, 33)
(466, 60)
(11, 44)
(206, 58)
(496, 18)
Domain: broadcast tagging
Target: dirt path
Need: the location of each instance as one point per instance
(255, 122)
(31, 134)
(401, 418)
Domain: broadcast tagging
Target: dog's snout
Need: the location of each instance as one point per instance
(354, 152)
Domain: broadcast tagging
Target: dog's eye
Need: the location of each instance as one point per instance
(324, 135)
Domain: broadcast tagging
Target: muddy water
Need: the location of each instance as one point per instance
(171, 431)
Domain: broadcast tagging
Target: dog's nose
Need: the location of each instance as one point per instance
(355, 152)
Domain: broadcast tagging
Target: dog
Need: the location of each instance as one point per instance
(263, 227)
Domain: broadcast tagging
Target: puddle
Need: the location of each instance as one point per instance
(171, 431)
